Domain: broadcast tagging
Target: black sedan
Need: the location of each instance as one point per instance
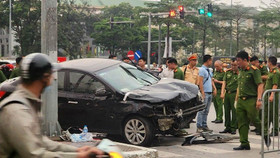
(113, 97)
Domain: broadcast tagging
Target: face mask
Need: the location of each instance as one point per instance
(47, 89)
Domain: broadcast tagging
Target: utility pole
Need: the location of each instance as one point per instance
(230, 47)
(204, 36)
(159, 44)
(149, 42)
(51, 126)
(10, 29)
(167, 36)
(149, 33)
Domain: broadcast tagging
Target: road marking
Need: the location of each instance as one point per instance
(167, 154)
(208, 149)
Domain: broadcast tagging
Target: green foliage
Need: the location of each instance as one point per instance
(25, 22)
(77, 21)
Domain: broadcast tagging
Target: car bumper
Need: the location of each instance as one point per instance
(178, 120)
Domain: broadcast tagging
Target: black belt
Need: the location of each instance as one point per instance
(208, 92)
(247, 97)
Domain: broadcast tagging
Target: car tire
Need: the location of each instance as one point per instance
(138, 131)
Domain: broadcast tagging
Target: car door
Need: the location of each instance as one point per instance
(71, 105)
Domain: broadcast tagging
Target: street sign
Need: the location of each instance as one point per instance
(130, 55)
(137, 55)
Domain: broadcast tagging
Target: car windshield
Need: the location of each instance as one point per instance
(140, 75)
(121, 79)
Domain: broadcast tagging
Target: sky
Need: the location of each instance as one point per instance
(249, 3)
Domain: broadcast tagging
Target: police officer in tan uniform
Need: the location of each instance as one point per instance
(190, 70)
(20, 116)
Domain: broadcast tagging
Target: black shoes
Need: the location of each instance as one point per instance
(225, 131)
(253, 130)
(243, 147)
(213, 121)
(267, 141)
(233, 132)
(193, 121)
(219, 121)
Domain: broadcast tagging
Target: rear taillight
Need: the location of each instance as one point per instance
(2, 93)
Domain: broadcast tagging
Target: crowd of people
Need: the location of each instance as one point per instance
(235, 90)
(8, 71)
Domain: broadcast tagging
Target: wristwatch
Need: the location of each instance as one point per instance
(259, 99)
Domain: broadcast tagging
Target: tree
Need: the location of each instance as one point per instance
(25, 23)
(74, 24)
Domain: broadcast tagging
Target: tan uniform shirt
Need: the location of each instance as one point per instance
(20, 130)
(191, 74)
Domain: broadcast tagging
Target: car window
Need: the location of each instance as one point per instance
(83, 83)
(61, 76)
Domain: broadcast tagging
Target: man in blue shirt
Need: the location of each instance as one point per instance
(207, 88)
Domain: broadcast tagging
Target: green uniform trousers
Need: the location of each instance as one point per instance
(218, 104)
(268, 115)
(246, 111)
(230, 112)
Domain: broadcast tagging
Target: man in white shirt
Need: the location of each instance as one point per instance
(167, 72)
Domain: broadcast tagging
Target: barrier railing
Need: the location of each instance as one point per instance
(270, 121)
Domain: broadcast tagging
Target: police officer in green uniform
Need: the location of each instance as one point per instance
(16, 71)
(218, 101)
(178, 73)
(249, 94)
(2, 77)
(264, 72)
(229, 89)
(272, 82)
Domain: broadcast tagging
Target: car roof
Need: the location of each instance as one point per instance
(89, 64)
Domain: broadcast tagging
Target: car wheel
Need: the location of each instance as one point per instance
(138, 131)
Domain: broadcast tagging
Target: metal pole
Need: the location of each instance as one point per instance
(168, 33)
(159, 44)
(230, 47)
(49, 46)
(149, 43)
(204, 36)
(10, 29)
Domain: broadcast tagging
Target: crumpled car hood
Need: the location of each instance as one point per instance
(165, 90)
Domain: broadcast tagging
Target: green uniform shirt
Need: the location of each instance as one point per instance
(248, 81)
(230, 78)
(15, 73)
(273, 78)
(178, 74)
(263, 70)
(219, 75)
(2, 77)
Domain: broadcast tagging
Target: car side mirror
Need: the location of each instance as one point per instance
(102, 92)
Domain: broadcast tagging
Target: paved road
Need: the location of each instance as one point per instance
(170, 147)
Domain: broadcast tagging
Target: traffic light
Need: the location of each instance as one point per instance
(201, 11)
(181, 11)
(172, 13)
(210, 10)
